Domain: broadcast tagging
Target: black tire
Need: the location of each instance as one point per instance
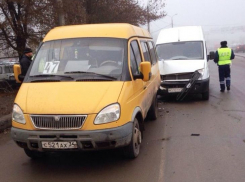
(34, 154)
(205, 95)
(133, 149)
(153, 111)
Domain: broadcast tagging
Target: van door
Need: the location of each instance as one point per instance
(137, 84)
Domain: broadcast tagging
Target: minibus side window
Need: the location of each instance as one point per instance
(145, 52)
(133, 63)
(136, 50)
(152, 52)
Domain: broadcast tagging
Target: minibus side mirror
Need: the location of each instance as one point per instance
(211, 55)
(17, 72)
(145, 68)
(138, 76)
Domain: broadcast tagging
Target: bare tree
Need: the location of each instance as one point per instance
(25, 22)
(119, 11)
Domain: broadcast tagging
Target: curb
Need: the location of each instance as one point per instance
(5, 122)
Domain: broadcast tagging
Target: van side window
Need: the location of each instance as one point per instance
(145, 51)
(136, 51)
(133, 63)
(152, 52)
(6, 69)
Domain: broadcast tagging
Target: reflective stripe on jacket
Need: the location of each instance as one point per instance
(224, 56)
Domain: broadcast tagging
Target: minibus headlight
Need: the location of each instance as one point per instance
(108, 114)
(18, 115)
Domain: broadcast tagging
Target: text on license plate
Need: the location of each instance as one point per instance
(59, 145)
(174, 90)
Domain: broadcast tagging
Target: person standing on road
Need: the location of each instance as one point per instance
(25, 63)
(223, 58)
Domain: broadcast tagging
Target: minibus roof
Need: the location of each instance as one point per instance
(178, 34)
(112, 30)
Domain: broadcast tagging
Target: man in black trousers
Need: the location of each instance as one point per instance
(223, 58)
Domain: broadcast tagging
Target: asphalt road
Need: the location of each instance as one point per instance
(169, 153)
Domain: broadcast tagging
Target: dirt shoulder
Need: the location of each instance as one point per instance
(6, 103)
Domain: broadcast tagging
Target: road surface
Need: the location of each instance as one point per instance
(169, 153)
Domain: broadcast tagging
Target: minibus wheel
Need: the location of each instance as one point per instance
(133, 149)
(34, 154)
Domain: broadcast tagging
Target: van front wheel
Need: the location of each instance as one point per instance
(133, 149)
(205, 95)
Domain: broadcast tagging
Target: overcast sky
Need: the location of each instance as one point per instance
(216, 17)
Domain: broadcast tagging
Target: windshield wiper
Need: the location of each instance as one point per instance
(97, 74)
(49, 75)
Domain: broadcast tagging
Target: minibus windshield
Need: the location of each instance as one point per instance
(80, 57)
(181, 51)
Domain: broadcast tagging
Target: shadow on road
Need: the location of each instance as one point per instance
(188, 99)
(75, 161)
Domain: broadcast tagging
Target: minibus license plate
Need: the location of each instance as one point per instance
(174, 90)
(59, 145)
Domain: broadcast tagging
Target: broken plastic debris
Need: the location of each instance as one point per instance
(195, 134)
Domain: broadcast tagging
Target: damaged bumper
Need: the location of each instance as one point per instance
(175, 87)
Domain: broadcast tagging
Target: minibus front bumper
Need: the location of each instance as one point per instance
(85, 140)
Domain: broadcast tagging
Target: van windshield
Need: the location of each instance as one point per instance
(80, 57)
(180, 51)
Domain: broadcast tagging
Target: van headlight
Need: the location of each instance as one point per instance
(108, 114)
(18, 115)
(201, 71)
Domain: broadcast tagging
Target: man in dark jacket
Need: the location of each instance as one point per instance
(223, 58)
(25, 63)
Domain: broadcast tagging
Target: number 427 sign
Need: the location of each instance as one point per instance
(51, 67)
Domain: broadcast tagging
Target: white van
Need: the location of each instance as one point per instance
(182, 51)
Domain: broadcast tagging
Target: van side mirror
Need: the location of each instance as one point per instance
(17, 72)
(211, 55)
(145, 69)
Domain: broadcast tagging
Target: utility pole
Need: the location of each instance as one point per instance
(172, 22)
(148, 18)
(61, 16)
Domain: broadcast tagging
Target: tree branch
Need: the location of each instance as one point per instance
(7, 39)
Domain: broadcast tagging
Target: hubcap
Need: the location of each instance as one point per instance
(137, 138)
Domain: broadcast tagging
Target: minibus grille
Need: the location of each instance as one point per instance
(58, 122)
(177, 76)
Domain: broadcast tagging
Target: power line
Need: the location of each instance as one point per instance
(155, 24)
(163, 21)
(224, 25)
(160, 29)
(213, 25)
